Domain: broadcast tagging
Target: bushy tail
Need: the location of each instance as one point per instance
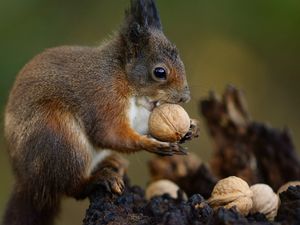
(22, 210)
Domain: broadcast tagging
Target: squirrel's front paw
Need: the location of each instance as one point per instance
(167, 149)
(193, 131)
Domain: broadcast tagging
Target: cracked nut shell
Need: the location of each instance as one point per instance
(264, 200)
(169, 122)
(232, 192)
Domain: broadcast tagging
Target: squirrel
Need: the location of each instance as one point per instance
(70, 103)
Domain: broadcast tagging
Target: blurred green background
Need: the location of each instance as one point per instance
(254, 45)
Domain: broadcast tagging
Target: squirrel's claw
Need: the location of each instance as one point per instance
(192, 133)
(163, 148)
(178, 150)
(171, 149)
(111, 180)
(163, 153)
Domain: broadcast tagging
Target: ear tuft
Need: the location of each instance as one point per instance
(144, 13)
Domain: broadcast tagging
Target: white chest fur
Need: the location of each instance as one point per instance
(138, 114)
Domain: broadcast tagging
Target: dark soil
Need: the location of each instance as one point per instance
(289, 210)
(132, 208)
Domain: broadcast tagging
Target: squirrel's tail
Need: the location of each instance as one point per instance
(23, 210)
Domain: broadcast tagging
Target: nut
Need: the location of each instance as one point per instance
(232, 192)
(169, 122)
(264, 200)
(161, 187)
(287, 185)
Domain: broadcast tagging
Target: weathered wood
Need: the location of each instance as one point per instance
(244, 148)
(188, 172)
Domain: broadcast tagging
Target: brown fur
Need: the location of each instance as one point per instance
(68, 101)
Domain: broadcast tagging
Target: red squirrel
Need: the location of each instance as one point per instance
(70, 103)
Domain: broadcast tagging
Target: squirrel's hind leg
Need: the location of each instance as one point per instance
(107, 172)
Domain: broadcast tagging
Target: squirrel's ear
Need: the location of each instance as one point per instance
(140, 18)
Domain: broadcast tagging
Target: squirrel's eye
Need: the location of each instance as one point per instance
(160, 73)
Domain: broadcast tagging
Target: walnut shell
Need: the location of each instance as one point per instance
(161, 187)
(169, 122)
(232, 192)
(264, 200)
(287, 185)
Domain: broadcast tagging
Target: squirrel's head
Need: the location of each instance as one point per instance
(151, 61)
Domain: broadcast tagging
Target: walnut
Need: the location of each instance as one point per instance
(287, 185)
(169, 122)
(232, 192)
(161, 187)
(264, 200)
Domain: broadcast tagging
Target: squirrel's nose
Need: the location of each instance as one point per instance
(185, 99)
(186, 95)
